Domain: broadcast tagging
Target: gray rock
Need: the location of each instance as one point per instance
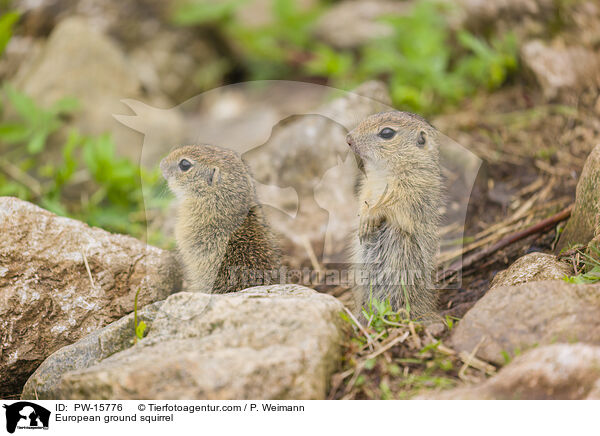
(593, 249)
(582, 226)
(162, 59)
(510, 319)
(482, 12)
(532, 267)
(80, 62)
(47, 299)
(267, 342)
(90, 350)
(351, 24)
(558, 372)
(561, 72)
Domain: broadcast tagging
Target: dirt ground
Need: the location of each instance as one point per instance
(533, 153)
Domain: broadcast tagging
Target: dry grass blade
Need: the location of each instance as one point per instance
(390, 344)
(361, 328)
(474, 361)
(469, 359)
(87, 267)
(507, 240)
(415, 338)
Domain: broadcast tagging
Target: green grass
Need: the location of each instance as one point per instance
(427, 66)
(139, 327)
(85, 180)
(374, 368)
(7, 22)
(591, 273)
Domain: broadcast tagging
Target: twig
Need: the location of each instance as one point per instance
(361, 328)
(477, 363)
(415, 337)
(474, 361)
(469, 358)
(398, 339)
(503, 227)
(510, 239)
(359, 367)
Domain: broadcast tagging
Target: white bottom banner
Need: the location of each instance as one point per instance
(298, 417)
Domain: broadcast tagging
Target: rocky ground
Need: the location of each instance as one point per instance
(522, 321)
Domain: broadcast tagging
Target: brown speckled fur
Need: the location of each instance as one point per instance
(221, 231)
(400, 199)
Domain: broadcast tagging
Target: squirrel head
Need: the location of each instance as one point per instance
(396, 139)
(212, 175)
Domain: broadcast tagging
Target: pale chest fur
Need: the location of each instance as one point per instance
(380, 195)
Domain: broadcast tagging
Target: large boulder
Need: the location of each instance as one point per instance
(582, 226)
(593, 249)
(81, 62)
(511, 319)
(558, 372)
(49, 299)
(267, 342)
(163, 56)
(533, 267)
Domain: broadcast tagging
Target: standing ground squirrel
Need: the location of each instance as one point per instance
(400, 197)
(220, 231)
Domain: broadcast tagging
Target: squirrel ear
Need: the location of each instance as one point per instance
(214, 175)
(421, 139)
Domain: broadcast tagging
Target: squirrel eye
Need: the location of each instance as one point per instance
(184, 164)
(386, 133)
(421, 139)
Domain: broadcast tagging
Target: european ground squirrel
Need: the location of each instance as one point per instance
(221, 233)
(400, 197)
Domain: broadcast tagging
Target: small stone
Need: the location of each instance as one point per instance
(532, 267)
(512, 319)
(557, 372)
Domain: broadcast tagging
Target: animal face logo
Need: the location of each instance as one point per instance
(26, 415)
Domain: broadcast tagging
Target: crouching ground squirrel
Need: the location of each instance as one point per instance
(400, 197)
(221, 233)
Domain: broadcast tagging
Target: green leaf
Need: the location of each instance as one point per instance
(65, 105)
(11, 133)
(7, 21)
(24, 105)
(140, 329)
(194, 13)
(370, 363)
(37, 142)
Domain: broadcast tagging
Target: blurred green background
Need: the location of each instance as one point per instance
(431, 58)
